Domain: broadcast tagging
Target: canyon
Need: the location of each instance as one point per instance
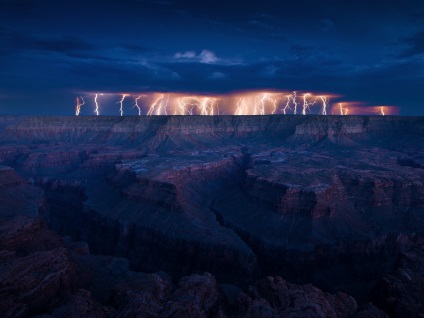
(212, 216)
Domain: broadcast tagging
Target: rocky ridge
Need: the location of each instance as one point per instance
(334, 201)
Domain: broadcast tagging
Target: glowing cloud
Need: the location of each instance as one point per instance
(80, 102)
(239, 103)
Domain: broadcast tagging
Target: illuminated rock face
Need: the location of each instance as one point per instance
(328, 200)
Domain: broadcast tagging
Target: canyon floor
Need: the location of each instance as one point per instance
(212, 216)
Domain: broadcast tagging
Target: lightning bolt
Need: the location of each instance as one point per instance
(211, 104)
(262, 104)
(274, 102)
(121, 102)
(293, 98)
(163, 104)
(204, 106)
(181, 106)
(153, 105)
(96, 110)
(166, 105)
(79, 104)
(217, 106)
(307, 105)
(207, 105)
(192, 104)
(136, 104)
(248, 103)
(343, 111)
(287, 106)
(324, 105)
(241, 106)
(185, 102)
(159, 109)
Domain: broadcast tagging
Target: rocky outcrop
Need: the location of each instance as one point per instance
(80, 304)
(289, 300)
(32, 283)
(155, 129)
(68, 281)
(401, 294)
(200, 296)
(328, 200)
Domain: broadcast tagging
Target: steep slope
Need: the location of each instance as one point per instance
(331, 200)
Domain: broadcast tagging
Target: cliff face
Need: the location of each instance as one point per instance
(331, 200)
(133, 130)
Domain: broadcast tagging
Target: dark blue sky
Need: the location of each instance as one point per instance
(51, 51)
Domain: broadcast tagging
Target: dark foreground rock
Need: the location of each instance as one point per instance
(44, 276)
(335, 202)
(401, 294)
(66, 281)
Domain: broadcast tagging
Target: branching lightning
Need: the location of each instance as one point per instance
(121, 102)
(307, 105)
(165, 106)
(153, 106)
(241, 107)
(287, 106)
(208, 105)
(186, 104)
(260, 106)
(136, 105)
(244, 103)
(343, 111)
(292, 98)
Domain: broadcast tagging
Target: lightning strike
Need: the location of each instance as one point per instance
(189, 103)
(307, 105)
(291, 100)
(262, 104)
(80, 102)
(136, 105)
(293, 97)
(166, 105)
(343, 111)
(324, 105)
(287, 106)
(214, 105)
(96, 110)
(160, 105)
(259, 105)
(204, 106)
(154, 104)
(241, 107)
(208, 105)
(121, 102)
(274, 102)
(244, 103)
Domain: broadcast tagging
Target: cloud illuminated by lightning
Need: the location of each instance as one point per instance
(80, 102)
(343, 110)
(239, 103)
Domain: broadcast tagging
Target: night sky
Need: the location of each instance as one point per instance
(52, 51)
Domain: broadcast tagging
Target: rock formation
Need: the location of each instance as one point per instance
(332, 201)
